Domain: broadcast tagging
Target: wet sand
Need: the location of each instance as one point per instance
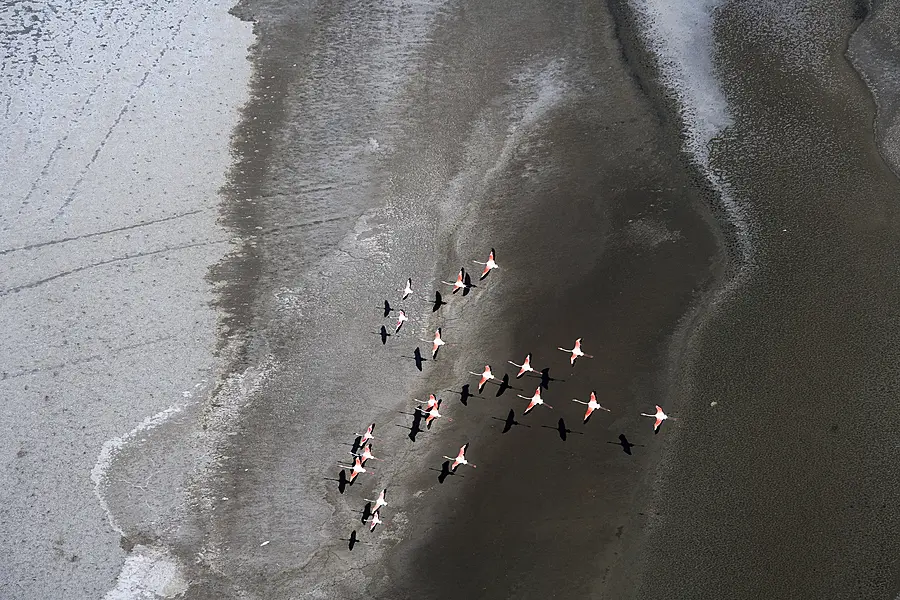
(783, 488)
(549, 151)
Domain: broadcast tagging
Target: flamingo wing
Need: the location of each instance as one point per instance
(529, 407)
(588, 413)
(657, 424)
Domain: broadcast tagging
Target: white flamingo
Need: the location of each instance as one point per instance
(525, 367)
(535, 400)
(576, 351)
(490, 264)
(380, 501)
(485, 376)
(368, 435)
(660, 416)
(592, 405)
(401, 318)
(460, 458)
(374, 521)
(356, 469)
(437, 342)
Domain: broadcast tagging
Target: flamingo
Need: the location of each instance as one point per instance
(401, 317)
(484, 376)
(407, 290)
(437, 343)
(374, 521)
(356, 468)
(368, 434)
(660, 417)
(429, 404)
(460, 458)
(576, 351)
(592, 405)
(525, 367)
(380, 501)
(366, 454)
(535, 400)
(490, 264)
(460, 282)
(432, 415)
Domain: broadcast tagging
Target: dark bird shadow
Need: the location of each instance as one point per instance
(438, 302)
(562, 429)
(353, 540)
(416, 427)
(626, 445)
(417, 356)
(357, 444)
(469, 285)
(504, 385)
(341, 479)
(387, 309)
(509, 421)
(384, 335)
(546, 379)
(464, 394)
(366, 512)
(445, 471)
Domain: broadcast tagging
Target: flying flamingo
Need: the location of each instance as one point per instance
(525, 367)
(437, 343)
(366, 454)
(432, 415)
(484, 376)
(592, 405)
(401, 317)
(660, 417)
(576, 351)
(429, 404)
(460, 282)
(535, 400)
(357, 468)
(460, 458)
(368, 434)
(380, 501)
(490, 264)
(408, 289)
(374, 521)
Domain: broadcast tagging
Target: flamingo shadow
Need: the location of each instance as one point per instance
(387, 309)
(384, 335)
(469, 285)
(416, 427)
(417, 356)
(626, 445)
(562, 429)
(509, 421)
(366, 512)
(504, 385)
(342, 481)
(357, 444)
(465, 394)
(438, 302)
(546, 379)
(445, 471)
(353, 540)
